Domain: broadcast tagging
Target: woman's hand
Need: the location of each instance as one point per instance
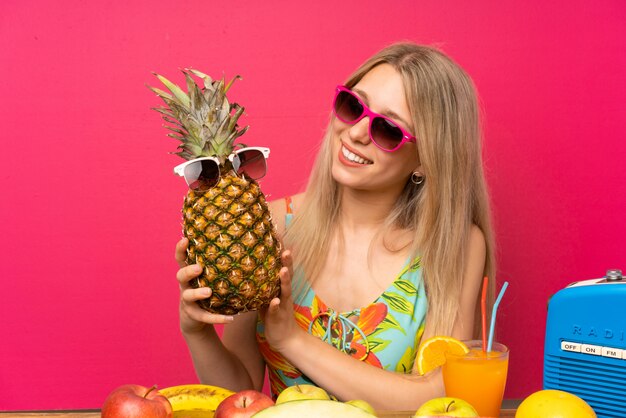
(280, 323)
(193, 319)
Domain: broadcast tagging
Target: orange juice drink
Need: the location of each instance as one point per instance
(478, 377)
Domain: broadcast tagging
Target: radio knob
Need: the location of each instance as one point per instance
(614, 275)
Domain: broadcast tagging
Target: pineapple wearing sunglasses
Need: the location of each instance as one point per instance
(225, 214)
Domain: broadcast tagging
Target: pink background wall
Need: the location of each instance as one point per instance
(90, 208)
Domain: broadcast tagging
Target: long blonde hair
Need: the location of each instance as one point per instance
(445, 112)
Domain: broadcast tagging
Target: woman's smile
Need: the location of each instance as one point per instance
(351, 158)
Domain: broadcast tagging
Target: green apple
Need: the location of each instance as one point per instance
(300, 393)
(360, 403)
(446, 407)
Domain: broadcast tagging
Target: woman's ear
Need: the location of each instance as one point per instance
(418, 169)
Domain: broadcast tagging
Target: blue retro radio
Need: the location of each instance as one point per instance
(585, 345)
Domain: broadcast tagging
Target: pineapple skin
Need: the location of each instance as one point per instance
(231, 235)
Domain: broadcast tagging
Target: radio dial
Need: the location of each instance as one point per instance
(614, 275)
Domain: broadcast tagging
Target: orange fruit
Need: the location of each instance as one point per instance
(432, 352)
(550, 403)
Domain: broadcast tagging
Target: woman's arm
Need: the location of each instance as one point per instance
(348, 378)
(472, 281)
(234, 362)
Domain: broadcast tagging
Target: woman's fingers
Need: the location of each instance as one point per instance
(185, 274)
(181, 252)
(194, 295)
(200, 315)
(274, 306)
(287, 260)
(189, 298)
(285, 283)
(191, 313)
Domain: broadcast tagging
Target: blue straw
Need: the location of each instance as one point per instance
(493, 314)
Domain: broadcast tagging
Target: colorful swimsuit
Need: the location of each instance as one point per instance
(385, 333)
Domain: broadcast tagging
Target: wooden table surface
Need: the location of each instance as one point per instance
(506, 413)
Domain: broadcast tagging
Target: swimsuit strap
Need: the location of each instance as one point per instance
(289, 214)
(343, 325)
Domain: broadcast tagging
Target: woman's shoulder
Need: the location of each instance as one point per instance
(279, 208)
(476, 255)
(477, 241)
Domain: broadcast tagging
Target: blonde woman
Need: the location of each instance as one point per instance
(387, 246)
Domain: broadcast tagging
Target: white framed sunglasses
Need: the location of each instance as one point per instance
(203, 173)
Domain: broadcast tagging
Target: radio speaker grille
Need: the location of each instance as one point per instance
(601, 385)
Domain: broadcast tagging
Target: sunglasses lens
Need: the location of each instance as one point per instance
(251, 163)
(386, 134)
(202, 175)
(347, 107)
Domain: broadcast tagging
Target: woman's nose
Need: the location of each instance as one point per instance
(359, 132)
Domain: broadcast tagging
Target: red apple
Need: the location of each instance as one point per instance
(135, 401)
(243, 404)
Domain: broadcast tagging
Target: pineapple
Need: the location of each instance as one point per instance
(229, 226)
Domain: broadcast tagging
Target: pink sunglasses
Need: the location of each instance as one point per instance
(385, 133)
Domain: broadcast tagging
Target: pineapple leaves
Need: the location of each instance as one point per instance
(208, 81)
(230, 83)
(182, 133)
(194, 92)
(177, 91)
(202, 118)
(233, 120)
(237, 134)
(163, 95)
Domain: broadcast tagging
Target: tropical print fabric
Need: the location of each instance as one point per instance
(385, 334)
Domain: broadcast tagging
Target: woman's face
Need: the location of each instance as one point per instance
(357, 162)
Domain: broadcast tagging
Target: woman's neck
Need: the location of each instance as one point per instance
(363, 209)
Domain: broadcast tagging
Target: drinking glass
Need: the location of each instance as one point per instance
(478, 377)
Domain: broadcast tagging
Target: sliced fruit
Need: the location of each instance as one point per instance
(313, 409)
(432, 352)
